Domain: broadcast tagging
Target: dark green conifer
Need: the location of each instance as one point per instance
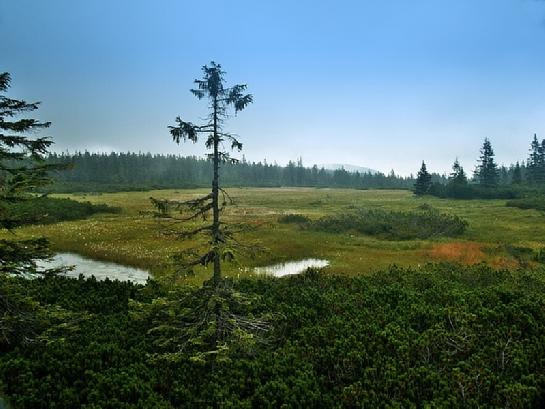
(458, 176)
(423, 181)
(487, 171)
(22, 169)
(220, 98)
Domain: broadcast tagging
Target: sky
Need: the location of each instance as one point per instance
(383, 84)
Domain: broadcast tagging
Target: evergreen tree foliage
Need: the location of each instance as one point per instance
(22, 169)
(536, 162)
(487, 171)
(423, 181)
(516, 178)
(457, 185)
(458, 176)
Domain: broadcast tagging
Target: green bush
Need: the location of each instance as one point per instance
(46, 210)
(392, 225)
(293, 219)
(534, 202)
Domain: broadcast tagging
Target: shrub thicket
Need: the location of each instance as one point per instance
(440, 336)
(534, 202)
(293, 219)
(46, 210)
(393, 225)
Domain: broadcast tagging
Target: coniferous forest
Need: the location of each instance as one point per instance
(139, 171)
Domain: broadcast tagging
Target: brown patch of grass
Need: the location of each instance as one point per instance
(460, 252)
(504, 262)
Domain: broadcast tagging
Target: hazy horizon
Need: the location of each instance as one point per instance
(379, 85)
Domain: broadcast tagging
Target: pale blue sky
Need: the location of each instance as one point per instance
(382, 84)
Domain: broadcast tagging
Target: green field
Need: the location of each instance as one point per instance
(137, 239)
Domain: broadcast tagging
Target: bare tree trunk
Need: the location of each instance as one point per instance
(215, 203)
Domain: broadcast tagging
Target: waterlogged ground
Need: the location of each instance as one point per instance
(133, 239)
(291, 267)
(101, 270)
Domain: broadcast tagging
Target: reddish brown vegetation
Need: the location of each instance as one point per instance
(460, 252)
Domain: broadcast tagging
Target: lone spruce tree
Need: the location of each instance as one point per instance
(423, 181)
(218, 317)
(220, 99)
(487, 171)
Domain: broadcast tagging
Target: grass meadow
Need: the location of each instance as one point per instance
(495, 233)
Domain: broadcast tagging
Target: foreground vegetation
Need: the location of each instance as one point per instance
(437, 336)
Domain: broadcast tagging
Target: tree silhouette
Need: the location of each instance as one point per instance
(220, 98)
(487, 170)
(458, 175)
(22, 168)
(220, 315)
(536, 162)
(423, 181)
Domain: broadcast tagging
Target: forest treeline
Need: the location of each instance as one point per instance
(144, 171)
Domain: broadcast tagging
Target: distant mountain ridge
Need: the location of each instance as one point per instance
(348, 168)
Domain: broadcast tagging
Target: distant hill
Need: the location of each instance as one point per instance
(348, 168)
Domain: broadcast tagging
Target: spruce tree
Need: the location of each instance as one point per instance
(541, 164)
(23, 168)
(423, 181)
(487, 171)
(220, 98)
(536, 162)
(218, 319)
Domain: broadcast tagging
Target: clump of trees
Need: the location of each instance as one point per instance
(489, 179)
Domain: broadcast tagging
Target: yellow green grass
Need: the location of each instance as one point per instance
(135, 239)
